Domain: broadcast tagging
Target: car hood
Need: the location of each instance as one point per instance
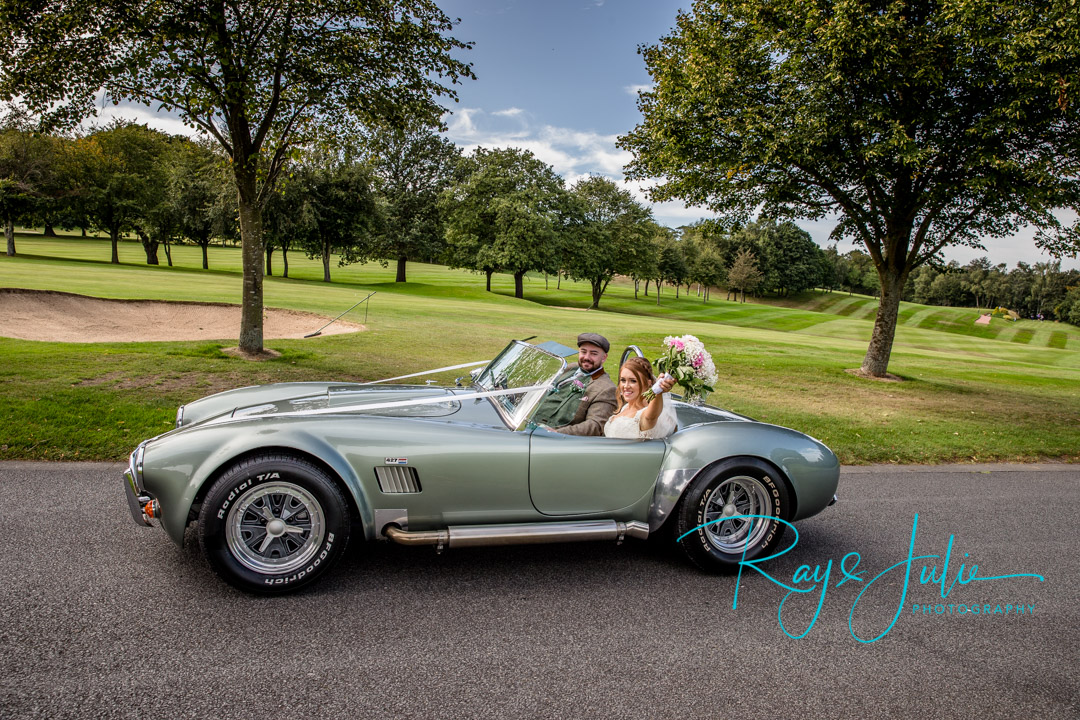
(281, 398)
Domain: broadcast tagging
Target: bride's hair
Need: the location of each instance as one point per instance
(643, 371)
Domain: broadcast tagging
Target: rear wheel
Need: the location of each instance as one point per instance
(273, 523)
(718, 513)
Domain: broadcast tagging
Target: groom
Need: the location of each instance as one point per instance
(584, 396)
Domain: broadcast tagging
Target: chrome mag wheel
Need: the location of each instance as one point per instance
(739, 495)
(275, 528)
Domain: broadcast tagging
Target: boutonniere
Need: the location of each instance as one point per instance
(578, 384)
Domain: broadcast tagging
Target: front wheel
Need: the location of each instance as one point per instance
(273, 523)
(714, 512)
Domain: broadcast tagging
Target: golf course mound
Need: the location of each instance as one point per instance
(66, 317)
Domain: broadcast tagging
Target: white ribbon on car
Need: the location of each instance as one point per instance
(437, 400)
(430, 372)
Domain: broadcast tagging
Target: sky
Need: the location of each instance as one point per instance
(560, 78)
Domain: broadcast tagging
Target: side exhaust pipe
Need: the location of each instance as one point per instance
(520, 533)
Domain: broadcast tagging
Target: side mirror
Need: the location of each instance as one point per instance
(473, 374)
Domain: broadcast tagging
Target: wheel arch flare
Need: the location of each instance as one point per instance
(809, 469)
(203, 455)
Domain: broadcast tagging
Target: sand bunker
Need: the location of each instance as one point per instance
(64, 317)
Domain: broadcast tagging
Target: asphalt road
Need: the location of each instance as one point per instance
(101, 618)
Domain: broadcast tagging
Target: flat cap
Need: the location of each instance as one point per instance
(598, 340)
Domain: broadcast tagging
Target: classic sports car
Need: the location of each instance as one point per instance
(280, 477)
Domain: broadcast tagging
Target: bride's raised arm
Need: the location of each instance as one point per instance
(654, 411)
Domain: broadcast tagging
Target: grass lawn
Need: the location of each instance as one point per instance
(968, 394)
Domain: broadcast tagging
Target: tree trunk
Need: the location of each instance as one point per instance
(558, 280)
(519, 285)
(83, 231)
(597, 291)
(205, 264)
(150, 247)
(546, 287)
(400, 269)
(49, 232)
(251, 244)
(9, 235)
(876, 362)
(168, 252)
(114, 236)
(488, 273)
(636, 284)
(678, 286)
(326, 263)
(284, 263)
(647, 287)
(269, 260)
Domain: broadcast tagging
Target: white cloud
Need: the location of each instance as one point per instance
(459, 124)
(633, 90)
(573, 154)
(141, 114)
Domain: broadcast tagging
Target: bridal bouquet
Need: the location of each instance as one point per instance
(690, 364)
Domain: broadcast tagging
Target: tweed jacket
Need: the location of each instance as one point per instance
(595, 400)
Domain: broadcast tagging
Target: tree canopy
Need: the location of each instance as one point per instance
(411, 166)
(503, 211)
(922, 124)
(259, 77)
(613, 234)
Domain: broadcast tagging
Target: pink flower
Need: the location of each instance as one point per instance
(677, 344)
(697, 362)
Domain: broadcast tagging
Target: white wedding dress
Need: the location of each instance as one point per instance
(629, 426)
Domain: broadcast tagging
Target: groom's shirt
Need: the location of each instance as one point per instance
(579, 404)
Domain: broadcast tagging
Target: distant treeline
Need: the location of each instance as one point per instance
(1042, 291)
(411, 195)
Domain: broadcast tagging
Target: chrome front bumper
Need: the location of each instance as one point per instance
(137, 498)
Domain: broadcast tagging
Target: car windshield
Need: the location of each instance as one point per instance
(520, 365)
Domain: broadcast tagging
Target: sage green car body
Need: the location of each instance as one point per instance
(472, 467)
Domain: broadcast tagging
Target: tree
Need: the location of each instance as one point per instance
(672, 266)
(289, 217)
(922, 124)
(27, 169)
(743, 274)
(116, 168)
(646, 263)
(504, 211)
(794, 259)
(157, 221)
(344, 215)
(704, 258)
(708, 271)
(204, 194)
(613, 236)
(258, 77)
(412, 167)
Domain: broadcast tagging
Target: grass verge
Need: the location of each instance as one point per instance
(965, 397)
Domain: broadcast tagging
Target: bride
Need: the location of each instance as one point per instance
(635, 418)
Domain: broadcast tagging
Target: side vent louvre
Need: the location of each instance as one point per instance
(397, 479)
